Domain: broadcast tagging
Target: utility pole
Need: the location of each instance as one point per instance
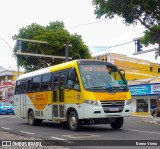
(19, 48)
(67, 51)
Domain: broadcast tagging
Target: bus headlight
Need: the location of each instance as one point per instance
(91, 102)
(128, 102)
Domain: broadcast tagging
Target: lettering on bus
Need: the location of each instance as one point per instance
(38, 97)
(94, 69)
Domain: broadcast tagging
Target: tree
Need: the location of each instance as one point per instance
(56, 36)
(147, 12)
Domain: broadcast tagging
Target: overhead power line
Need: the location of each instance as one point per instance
(6, 42)
(110, 46)
(90, 23)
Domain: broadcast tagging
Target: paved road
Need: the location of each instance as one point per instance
(133, 129)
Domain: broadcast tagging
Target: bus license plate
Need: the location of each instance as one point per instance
(113, 109)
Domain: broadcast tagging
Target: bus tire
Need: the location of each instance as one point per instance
(155, 114)
(73, 122)
(118, 123)
(31, 119)
(39, 121)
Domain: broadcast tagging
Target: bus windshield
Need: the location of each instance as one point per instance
(100, 77)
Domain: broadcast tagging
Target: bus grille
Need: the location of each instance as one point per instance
(114, 106)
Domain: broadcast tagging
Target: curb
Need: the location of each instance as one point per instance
(147, 118)
(151, 120)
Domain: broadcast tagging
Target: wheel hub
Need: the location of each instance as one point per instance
(73, 122)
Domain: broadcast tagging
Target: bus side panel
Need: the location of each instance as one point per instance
(17, 105)
(78, 108)
(23, 106)
(40, 103)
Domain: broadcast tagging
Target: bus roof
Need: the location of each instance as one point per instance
(62, 66)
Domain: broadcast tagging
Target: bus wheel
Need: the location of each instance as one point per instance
(155, 114)
(31, 119)
(118, 123)
(39, 121)
(73, 121)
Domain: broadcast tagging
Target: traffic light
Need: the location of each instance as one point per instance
(139, 46)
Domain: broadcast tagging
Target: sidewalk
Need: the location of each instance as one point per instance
(147, 117)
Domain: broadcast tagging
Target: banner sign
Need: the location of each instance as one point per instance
(145, 89)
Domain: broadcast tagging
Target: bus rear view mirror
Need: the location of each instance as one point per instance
(122, 72)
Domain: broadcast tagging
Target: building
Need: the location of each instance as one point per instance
(7, 78)
(144, 96)
(143, 78)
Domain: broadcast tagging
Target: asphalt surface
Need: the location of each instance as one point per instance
(139, 128)
(10, 137)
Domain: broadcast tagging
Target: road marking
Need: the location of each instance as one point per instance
(142, 131)
(14, 117)
(80, 135)
(27, 132)
(57, 138)
(4, 116)
(5, 128)
(8, 116)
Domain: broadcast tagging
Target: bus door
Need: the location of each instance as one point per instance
(17, 98)
(23, 98)
(59, 95)
(72, 91)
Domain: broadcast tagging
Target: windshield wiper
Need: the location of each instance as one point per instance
(101, 87)
(96, 87)
(124, 88)
(109, 88)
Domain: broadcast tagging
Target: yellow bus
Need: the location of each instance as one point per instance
(79, 92)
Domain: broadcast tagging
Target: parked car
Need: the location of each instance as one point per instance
(6, 108)
(155, 109)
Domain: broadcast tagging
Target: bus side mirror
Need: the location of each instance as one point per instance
(73, 76)
(122, 72)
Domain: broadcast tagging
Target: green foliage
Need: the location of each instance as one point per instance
(56, 36)
(150, 37)
(147, 12)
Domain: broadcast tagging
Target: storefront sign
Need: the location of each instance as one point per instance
(155, 89)
(145, 89)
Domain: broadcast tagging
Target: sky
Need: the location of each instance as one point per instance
(78, 17)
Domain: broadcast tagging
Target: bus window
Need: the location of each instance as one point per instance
(101, 76)
(62, 86)
(55, 87)
(69, 80)
(70, 83)
(62, 80)
(18, 87)
(46, 82)
(23, 87)
(55, 82)
(29, 85)
(35, 85)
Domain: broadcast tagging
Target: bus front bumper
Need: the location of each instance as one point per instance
(91, 111)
